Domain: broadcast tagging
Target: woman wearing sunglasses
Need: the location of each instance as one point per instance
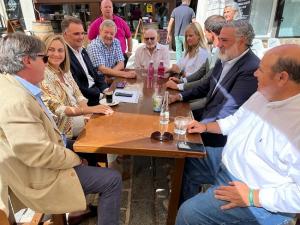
(61, 93)
(196, 51)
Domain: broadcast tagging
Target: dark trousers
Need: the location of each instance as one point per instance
(108, 184)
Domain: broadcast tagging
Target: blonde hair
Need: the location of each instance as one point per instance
(192, 50)
(65, 65)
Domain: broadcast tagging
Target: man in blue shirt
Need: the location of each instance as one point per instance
(106, 53)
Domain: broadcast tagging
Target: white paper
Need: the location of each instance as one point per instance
(133, 99)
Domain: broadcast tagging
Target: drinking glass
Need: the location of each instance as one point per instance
(180, 125)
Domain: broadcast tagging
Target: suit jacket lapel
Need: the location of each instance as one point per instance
(76, 62)
(230, 75)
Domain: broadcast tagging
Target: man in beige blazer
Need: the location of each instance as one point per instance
(35, 167)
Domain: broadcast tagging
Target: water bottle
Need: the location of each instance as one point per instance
(161, 69)
(164, 112)
(151, 70)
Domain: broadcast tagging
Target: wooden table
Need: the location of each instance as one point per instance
(128, 131)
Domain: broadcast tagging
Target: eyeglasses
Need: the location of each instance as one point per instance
(166, 136)
(44, 57)
(149, 38)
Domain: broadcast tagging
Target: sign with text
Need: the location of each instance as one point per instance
(245, 6)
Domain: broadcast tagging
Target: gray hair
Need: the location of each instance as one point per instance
(288, 64)
(242, 29)
(214, 24)
(108, 23)
(67, 21)
(233, 5)
(14, 47)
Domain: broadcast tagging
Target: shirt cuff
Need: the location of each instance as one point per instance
(266, 197)
(180, 86)
(180, 96)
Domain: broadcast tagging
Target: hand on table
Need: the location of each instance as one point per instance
(103, 109)
(130, 74)
(171, 84)
(196, 127)
(174, 98)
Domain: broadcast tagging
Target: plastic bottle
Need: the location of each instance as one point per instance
(151, 70)
(161, 69)
(164, 112)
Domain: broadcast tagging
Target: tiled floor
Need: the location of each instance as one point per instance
(144, 193)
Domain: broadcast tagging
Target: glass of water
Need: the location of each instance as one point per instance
(180, 125)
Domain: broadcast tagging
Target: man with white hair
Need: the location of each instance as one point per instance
(151, 50)
(256, 180)
(34, 164)
(106, 54)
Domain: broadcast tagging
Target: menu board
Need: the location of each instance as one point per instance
(245, 6)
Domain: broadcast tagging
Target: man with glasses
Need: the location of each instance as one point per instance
(91, 84)
(151, 50)
(106, 53)
(34, 164)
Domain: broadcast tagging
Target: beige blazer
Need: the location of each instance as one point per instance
(34, 165)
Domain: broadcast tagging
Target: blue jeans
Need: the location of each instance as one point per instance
(179, 42)
(204, 208)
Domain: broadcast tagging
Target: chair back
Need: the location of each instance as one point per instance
(258, 47)
(3, 218)
(273, 42)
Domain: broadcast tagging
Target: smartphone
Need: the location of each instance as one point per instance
(121, 84)
(123, 94)
(189, 146)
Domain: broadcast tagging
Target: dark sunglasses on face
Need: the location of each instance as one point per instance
(166, 136)
(149, 38)
(44, 57)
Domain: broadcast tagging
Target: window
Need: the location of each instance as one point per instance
(289, 27)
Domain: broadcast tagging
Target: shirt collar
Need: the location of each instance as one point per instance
(75, 51)
(157, 47)
(233, 61)
(34, 90)
(278, 104)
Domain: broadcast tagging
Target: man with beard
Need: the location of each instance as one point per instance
(256, 181)
(232, 81)
(106, 53)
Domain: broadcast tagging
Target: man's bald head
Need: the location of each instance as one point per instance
(106, 8)
(286, 58)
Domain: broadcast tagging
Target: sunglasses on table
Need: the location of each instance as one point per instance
(158, 136)
(149, 38)
(44, 57)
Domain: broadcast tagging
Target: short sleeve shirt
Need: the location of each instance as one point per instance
(100, 54)
(183, 16)
(123, 30)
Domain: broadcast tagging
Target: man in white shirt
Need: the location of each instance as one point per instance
(256, 180)
(151, 50)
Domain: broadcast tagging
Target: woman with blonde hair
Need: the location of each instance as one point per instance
(196, 51)
(61, 93)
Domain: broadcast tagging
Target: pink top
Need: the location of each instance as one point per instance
(123, 31)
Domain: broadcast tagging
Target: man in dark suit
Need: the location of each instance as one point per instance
(232, 81)
(90, 83)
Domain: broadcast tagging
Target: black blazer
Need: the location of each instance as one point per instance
(92, 93)
(236, 87)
